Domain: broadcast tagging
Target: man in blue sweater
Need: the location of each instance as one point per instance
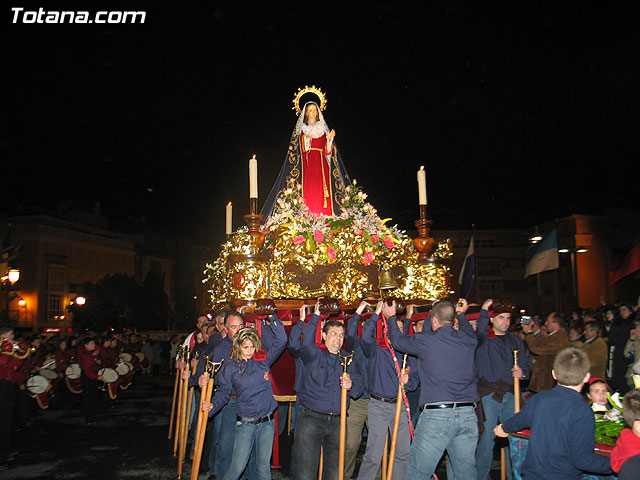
(562, 425)
(448, 393)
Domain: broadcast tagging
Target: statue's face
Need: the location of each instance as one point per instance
(311, 113)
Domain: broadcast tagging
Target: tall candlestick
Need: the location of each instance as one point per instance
(422, 186)
(229, 211)
(253, 177)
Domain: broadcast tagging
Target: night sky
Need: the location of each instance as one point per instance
(521, 113)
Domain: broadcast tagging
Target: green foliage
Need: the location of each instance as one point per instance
(607, 431)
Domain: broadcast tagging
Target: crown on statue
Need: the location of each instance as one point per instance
(309, 89)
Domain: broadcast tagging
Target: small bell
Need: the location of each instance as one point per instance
(386, 280)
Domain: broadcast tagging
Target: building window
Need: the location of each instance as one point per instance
(489, 268)
(54, 291)
(489, 289)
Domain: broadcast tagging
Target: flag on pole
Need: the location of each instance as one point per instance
(543, 256)
(628, 264)
(467, 278)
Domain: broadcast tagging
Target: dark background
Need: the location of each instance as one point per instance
(520, 111)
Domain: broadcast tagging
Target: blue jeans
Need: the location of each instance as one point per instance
(495, 413)
(452, 429)
(315, 430)
(247, 435)
(222, 446)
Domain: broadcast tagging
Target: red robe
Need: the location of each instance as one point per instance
(316, 175)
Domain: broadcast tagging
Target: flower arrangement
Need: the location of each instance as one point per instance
(292, 221)
(609, 424)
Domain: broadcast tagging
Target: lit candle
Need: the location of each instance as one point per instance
(229, 210)
(253, 177)
(422, 186)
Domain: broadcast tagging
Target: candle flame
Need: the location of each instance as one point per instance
(229, 204)
(254, 157)
(421, 167)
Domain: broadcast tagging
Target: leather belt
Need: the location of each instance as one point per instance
(331, 414)
(381, 399)
(255, 421)
(449, 405)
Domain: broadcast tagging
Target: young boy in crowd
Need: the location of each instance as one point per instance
(625, 457)
(562, 424)
(597, 395)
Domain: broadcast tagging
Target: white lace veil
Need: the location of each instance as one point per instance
(314, 130)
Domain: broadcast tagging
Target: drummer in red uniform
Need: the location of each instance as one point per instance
(11, 357)
(90, 367)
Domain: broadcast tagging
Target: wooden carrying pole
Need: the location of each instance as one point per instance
(185, 435)
(343, 417)
(173, 403)
(516, 384)
(516, 404)
(385, 451)
(183, 420)
(176, 437)
(205, 397)
(396, 422)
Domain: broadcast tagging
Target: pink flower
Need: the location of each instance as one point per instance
(375, 238)
(318, 236)
(360, 232)
(331, 253)
(388, 242)
(368, 257)
(298, 239)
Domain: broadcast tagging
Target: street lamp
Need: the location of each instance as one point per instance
(8, 280)
(13, 275)
(80, 301)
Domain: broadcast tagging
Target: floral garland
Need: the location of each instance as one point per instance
(292, 221)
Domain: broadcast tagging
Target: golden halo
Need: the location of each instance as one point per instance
(307, 89)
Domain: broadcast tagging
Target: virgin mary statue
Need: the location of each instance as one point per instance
(314, 162)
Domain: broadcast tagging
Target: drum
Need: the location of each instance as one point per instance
(141, 356)
(109, 375)
(37, 384)
(49, 363)
(49, 374)
(122, 369)
(125, 357)
(73, 371)
(130, 365)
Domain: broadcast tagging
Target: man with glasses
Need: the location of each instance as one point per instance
(318, 423)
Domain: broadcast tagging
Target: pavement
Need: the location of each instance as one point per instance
(129, 440)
